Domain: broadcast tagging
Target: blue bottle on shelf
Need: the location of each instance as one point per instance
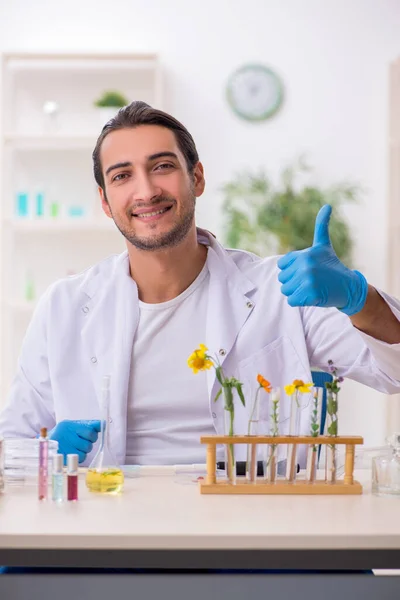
(22, 204)
(39, 204)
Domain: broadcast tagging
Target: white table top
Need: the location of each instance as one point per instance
(159, 511)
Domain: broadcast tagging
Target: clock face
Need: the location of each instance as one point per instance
(254, 92)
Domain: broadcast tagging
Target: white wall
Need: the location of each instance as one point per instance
(333, 57)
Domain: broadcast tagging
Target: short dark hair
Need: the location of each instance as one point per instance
(139, 113)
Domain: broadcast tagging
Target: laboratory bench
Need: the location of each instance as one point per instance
(161, 522)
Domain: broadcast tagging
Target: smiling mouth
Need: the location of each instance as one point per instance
(153, 213)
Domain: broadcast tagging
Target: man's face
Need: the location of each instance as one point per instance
(148, 190)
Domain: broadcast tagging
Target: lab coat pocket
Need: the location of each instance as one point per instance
(280, 364)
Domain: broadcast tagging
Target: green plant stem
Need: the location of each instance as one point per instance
(333, 428)
(275, 430)
(228, 393)
(314, 421)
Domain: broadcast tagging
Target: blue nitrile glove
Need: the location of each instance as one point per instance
(316, 277)
(75, 437)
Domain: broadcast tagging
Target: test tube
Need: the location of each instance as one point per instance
(72, 476)
(43, 463)
(57, 478)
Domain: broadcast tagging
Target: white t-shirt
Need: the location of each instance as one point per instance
(168, 405)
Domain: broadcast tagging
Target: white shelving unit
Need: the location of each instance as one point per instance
(51, 157)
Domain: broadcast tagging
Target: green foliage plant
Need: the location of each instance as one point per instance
(274, 219)
(111, 99)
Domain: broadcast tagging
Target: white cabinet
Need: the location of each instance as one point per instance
(52, 224)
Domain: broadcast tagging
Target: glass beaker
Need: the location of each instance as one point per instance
(386, 469)
(104, 474)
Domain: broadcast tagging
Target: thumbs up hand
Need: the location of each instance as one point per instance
(316, 277)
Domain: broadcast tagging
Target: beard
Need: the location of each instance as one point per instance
(169, 239)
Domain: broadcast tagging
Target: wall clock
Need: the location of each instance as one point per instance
(254, 92)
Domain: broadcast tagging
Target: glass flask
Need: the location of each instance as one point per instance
(386, 469)
(104, 474)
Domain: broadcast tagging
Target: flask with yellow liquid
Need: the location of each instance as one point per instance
(104, 475)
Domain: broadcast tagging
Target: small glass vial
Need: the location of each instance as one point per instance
(386, 469)
(72, 477)
(58, 478)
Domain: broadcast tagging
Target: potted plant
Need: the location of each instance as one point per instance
(274, 219)
(109, 103)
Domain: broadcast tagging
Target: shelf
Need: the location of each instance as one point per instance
(54, 156)
(57, 225)
(77, 63)
(50, 142)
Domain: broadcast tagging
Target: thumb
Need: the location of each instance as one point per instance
(321, 231)
(95, 424)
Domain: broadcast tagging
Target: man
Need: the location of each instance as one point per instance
(138, 316)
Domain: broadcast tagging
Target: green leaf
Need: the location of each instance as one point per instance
(332, 429)
(218, 394)
(240, 393)
(219, 375)
(228, 397)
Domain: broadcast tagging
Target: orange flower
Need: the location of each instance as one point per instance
(264, 383)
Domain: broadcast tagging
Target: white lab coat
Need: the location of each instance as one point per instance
(83, 329)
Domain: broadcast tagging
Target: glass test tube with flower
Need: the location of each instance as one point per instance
(294, 390)
(199, 360)
(270, 467)
(252, 429)
(332, 423)
(312, 457)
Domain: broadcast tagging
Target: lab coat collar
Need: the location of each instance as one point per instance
(223, 264)
(218, 260)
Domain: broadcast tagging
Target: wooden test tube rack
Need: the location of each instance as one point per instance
(347, 485)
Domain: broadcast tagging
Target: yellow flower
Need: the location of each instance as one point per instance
(299, 385)
(264, 383)
(199, 359)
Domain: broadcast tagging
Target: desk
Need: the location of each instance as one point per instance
(161, 522)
